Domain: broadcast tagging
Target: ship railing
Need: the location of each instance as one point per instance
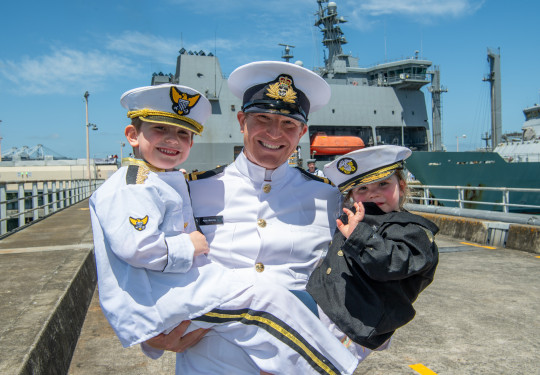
(522, 158)
(421, 194)
(23, 203)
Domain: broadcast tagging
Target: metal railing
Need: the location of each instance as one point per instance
(501, 198)
(24, 202)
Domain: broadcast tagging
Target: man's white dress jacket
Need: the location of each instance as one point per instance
(276, 223)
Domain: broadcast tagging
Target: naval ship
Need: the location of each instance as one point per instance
(382, 104)
(509, 161)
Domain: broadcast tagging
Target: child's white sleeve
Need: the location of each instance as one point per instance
(144, 230)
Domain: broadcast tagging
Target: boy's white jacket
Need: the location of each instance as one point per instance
(138, 302)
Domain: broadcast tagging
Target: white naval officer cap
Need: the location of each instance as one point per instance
(280, 88)
(365, 166)
(168, 104)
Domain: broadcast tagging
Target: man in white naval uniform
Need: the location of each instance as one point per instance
(151, 263)
(258, 213)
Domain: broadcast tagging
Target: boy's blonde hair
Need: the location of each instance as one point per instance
(137, 123)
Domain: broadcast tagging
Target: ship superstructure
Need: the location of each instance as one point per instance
(382, 104)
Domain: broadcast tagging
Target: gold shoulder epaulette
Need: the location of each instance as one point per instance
(313, 177)
(205, 174)
(136, 174)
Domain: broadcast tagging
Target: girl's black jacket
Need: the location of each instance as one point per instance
(368, 282)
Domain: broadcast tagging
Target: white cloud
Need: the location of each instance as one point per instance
(438, 8)
(163, 51)
(63, 70)
(281, 9)
(137, 44)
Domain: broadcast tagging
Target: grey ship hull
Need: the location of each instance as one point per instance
(376, 114)
(342, 116)
(380, 105)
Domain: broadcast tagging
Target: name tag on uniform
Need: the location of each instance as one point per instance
(209, 220)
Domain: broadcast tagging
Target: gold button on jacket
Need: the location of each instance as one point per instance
(267, 188)
(261, 223)
(259, 267)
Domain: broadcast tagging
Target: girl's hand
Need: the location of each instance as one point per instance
(353, 219)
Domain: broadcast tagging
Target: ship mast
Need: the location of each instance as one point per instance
(436, 90)
(333, 37)
(494, 79)
(287, 54)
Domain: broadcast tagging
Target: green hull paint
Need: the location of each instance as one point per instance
(479, 169)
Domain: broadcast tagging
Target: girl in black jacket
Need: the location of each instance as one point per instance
(381, 257)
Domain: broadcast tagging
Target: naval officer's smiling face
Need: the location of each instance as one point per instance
(270, 139)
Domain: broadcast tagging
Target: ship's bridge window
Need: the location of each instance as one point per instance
(532, 114)
(413, 137)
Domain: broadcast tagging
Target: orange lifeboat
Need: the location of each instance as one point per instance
(322, 144)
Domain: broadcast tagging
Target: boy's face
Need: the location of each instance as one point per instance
(385, 193)
(163, 146)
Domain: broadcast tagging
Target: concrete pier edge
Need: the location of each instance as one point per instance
(55, 344)
(512, 236)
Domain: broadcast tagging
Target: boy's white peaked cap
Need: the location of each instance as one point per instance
(168, 104)
(365, 166)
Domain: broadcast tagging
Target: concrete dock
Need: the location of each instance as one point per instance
(478, 317)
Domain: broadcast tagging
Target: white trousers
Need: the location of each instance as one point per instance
(265, 328)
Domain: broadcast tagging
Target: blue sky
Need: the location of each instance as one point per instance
(52, 52)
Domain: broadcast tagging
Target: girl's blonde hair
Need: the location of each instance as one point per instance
(348, 202)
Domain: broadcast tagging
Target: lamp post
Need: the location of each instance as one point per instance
(94, 127)
(86, 95)
(457, 141)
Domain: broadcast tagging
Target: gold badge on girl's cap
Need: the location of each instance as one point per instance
(365, 166)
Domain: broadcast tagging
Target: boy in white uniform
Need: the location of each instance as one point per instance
(152, 271)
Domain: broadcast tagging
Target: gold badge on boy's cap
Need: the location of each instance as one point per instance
(365, 166)
(168, 104)
(182, 103)
(280, 88)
